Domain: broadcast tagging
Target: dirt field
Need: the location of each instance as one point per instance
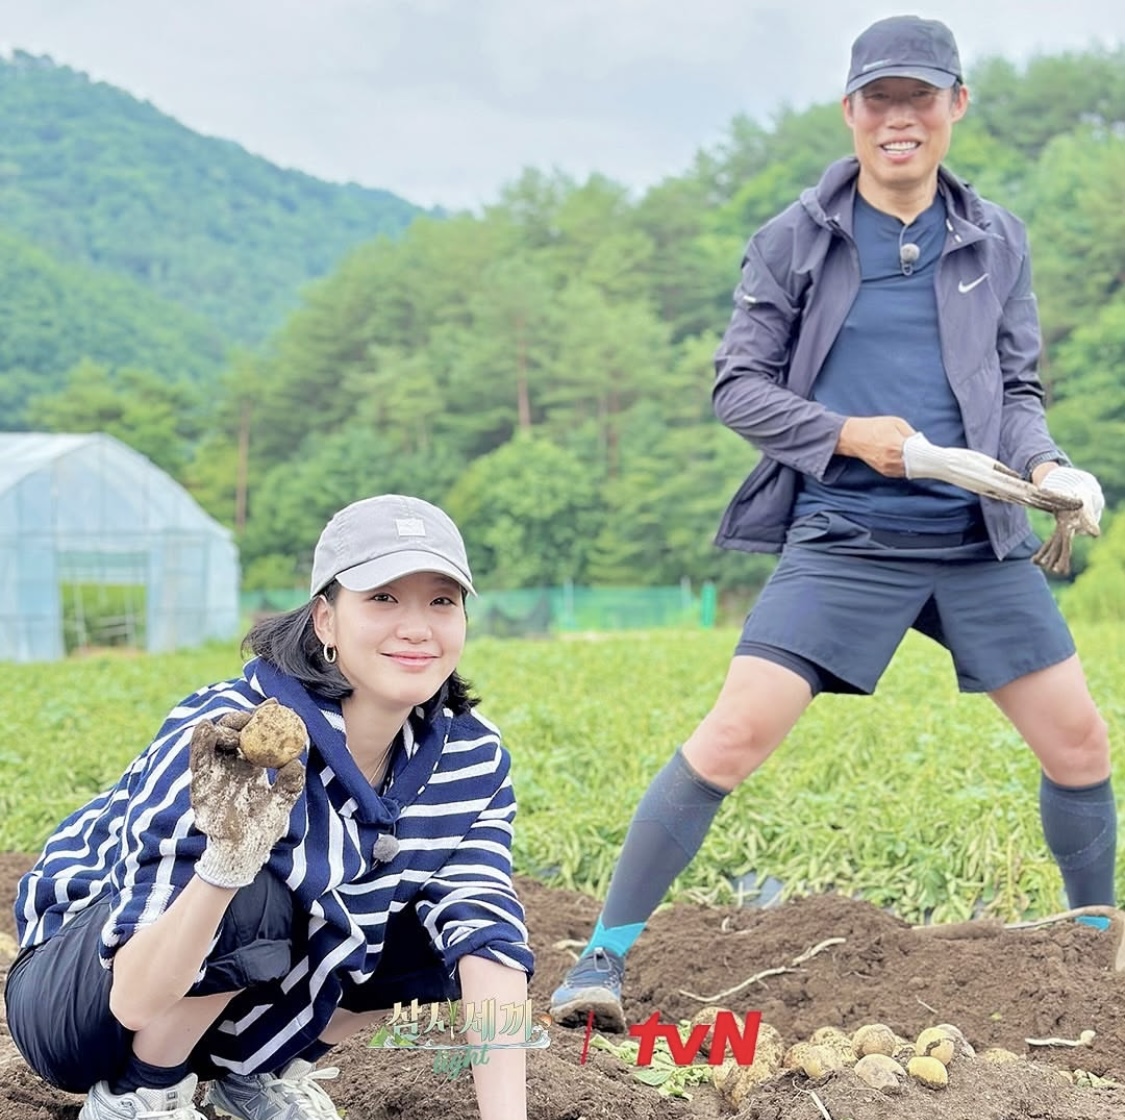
(1000, 987)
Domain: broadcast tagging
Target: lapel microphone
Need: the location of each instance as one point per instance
(908, 254)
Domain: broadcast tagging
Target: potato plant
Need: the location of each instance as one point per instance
(918, 800)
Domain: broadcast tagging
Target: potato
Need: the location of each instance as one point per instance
(997, 1055)
(738, 1083)
(880, 1072)
(929, 1071)
(725, 1076)
(795, 1055)
(746, 1081)
(934, 1042)
(818, 1061)
(274, 736)
(961, 1045)
(707, 1016)
(874, 1038)
(836, 1041)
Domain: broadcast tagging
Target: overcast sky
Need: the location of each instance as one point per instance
(444, 101)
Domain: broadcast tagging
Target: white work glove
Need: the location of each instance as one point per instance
(1084, 486)
(980, 473)
(241, 813)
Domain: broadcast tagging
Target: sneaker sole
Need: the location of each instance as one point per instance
(575, 1012)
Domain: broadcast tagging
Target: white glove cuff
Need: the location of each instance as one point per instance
(920, 458)
(223, 867)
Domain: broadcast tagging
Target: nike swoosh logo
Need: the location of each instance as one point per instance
(962, 287)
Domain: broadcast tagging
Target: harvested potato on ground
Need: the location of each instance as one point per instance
(874, 1038)
(934, 1042)
(818, 1061)
(836, 1041)
(706, 1016)
(748, 1079)
(997, 1055)
(929, 1072)
(726, 1075)
(274, 736)
(768, 1051)
(960, 1043)
(795, 1055)
(880, 1072)
(737, 1084)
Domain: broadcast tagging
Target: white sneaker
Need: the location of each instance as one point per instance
(173, 1103)
(292, 1094)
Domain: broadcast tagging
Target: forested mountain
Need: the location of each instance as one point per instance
(543, 369)
(95, 177)
(53, 316)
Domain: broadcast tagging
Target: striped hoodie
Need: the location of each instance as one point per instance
(448, 802)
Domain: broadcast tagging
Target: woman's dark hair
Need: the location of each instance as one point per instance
(289, 642)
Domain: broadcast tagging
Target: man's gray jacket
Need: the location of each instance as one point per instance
(800, 276)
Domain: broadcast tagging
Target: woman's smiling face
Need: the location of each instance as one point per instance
(396, 644)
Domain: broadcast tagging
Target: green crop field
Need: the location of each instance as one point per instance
(917, 799)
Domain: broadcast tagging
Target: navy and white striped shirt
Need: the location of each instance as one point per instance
(449, 803)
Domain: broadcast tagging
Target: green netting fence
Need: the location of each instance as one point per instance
(539, 611)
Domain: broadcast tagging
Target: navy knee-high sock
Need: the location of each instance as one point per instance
(666, 831)
(1080, 827)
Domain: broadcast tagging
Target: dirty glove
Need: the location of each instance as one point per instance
(1084, 486)
(1080, 486)
(242, 813)
(972, 470)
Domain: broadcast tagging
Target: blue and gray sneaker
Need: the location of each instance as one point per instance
(593, 984)
(292, 1094)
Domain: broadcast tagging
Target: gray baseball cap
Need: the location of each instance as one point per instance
(905, 47)
(377, 540)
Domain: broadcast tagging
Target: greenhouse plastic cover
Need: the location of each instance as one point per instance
(88, 509)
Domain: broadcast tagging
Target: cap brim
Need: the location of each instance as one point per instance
(385, 569)
(941, 79)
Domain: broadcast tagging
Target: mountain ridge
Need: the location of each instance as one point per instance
(94, 175)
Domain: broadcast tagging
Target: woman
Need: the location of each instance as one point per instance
(244, 926)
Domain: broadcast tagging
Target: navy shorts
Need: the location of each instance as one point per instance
(57, 993)
(843, 597)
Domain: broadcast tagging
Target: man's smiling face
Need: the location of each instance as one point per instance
(901, 129)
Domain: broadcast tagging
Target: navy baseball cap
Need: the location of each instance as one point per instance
(905, 47)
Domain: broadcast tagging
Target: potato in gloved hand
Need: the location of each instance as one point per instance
(273, 736)
(241, 812)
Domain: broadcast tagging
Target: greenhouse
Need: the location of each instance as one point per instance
(100, 547)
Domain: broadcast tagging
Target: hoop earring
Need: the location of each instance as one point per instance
(329, 654)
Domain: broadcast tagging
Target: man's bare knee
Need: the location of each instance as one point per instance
(728, 746)
(1086, 748)
(756, 708)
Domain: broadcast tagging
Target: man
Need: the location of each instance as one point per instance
(889, 302)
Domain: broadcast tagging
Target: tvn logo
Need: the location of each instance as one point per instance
(725, 1038)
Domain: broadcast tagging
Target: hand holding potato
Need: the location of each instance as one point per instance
(236, 806)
